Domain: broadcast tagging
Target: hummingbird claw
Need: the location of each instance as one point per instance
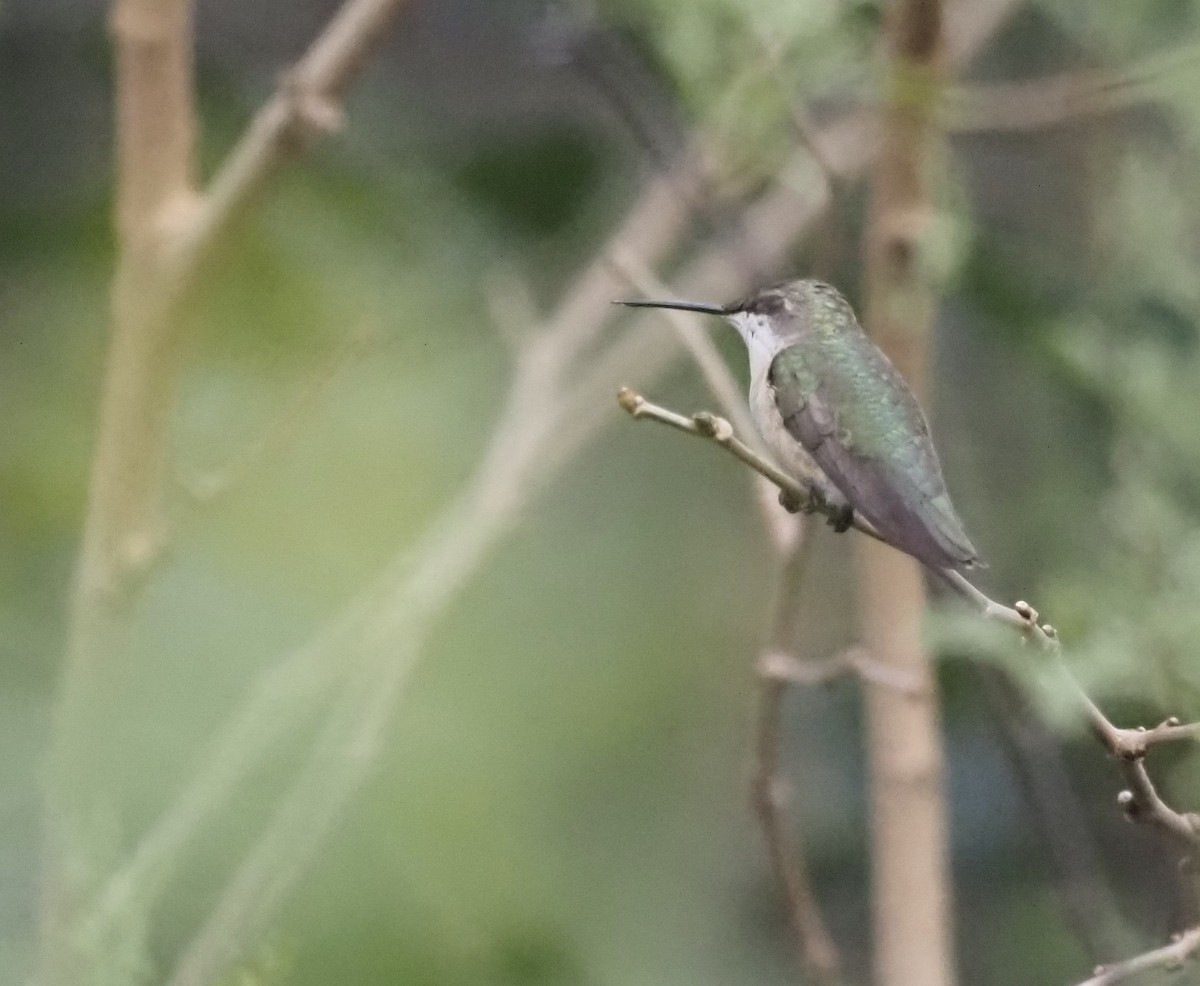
(841, 519)
(792, 503)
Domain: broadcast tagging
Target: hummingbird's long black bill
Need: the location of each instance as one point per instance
(683, 306)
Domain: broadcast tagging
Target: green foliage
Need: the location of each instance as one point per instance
(508, 178)
(744, 68)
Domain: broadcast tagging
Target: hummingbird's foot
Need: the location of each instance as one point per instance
(825, 499)
(816, 499)
(841, 518)
(793, 503)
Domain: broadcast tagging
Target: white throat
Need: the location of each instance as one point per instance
(761, 341)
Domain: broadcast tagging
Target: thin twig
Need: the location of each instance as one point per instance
(794, 496)
(1141, 803)
(769, 792)
(1057, 816)
(306, 105)
(1171, 958)
(283, 427)
(769, 795)
(1034, 104)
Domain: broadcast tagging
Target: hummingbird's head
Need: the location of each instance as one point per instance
(764, 317)
(767, 319)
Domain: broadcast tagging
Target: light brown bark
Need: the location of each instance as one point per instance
(123, 525)
(165, 229)
(911, 890)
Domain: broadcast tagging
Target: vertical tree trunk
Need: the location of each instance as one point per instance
(911, 896)
(123, 526)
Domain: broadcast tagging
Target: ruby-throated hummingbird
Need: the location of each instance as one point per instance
(836, 414)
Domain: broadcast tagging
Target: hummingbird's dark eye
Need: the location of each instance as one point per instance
(766, 304)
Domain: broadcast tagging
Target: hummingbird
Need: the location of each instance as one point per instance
(838, 417)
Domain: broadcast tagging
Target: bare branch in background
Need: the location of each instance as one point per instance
(1170, 958)
(911, 888)
(306, 106)
(123, 530)
(770, 795)
(284, 426)
(1057, 816)
(1033, 104)
(164, 228)
(511, 305)
(408, 593)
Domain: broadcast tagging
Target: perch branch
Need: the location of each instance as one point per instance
(794, 496)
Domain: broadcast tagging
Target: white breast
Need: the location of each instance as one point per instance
(788, 453)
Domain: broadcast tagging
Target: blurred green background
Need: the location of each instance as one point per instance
(562, 794)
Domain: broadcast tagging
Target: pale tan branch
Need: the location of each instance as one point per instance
(511, 305)
(285, 425)
(769, 796)
(794, 496)
(123, 530)
(911, 887)
(156, 126)
(381, 632)
(155, 135)
(1032, 104)
(306, 105)
(1142, 803)
(1183, 949)
(282, 697)
(164, 229)
(852, 662)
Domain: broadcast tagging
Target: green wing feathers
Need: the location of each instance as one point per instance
(844, 402)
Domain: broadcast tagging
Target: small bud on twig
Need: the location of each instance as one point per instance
(629, 401)
(1025, 611)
